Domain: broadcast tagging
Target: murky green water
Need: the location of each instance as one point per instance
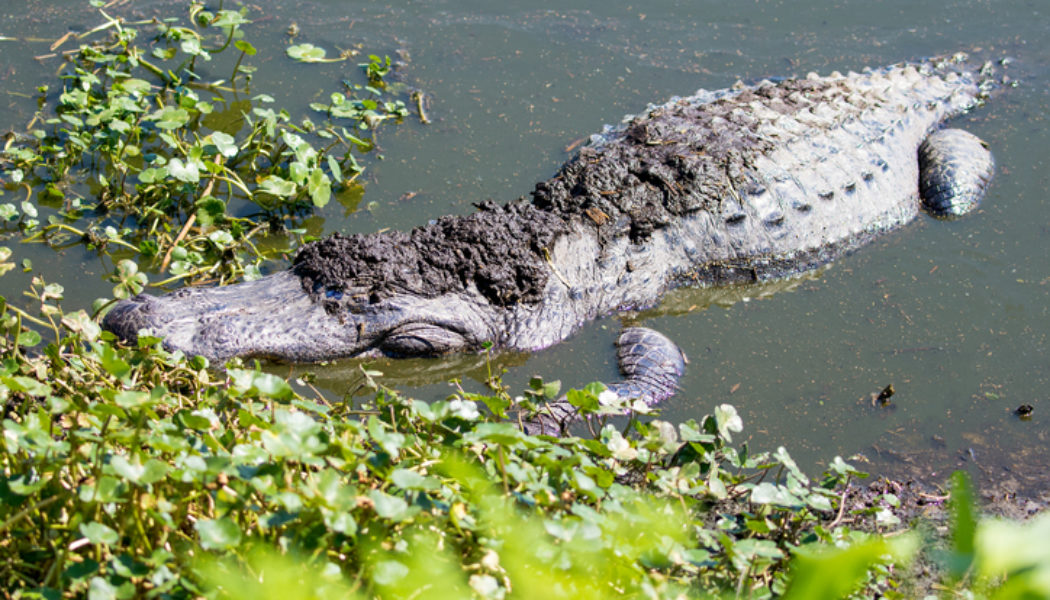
(954, 314)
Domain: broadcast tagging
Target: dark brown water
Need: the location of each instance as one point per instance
(952, 314)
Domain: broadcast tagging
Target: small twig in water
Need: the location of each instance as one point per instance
(842, 506)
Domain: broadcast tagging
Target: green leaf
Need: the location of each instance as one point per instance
(186, 172)
(1017, 551)
(390, 507)
(27, 384)
(964, 525)
(218, 534)
(389, 572)
(498, 405)
(100, 589)
(192, 421)
(112, 362)
(105, 489)
(80, 322)
(28, 338)
(133, 85)
(224, 143)
(337, 171)
(229, 18)
(548, 390)
(132, 399)
(153, 174)
(768, 493)
(320, 187)
(728, 421)
(210, 210)
(151, 471)
(827, 572)
(690, 432)
(169, 117)
(497, 433)
(254, 384)
(277, 186)
(245, 47)
(192, 46)
(582, 400)
(126, 469)
(306, 53)
(410, 480)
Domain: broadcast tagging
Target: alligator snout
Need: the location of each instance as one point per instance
(129, 316)
(271, 317)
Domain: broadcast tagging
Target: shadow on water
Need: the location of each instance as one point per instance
(339, 378)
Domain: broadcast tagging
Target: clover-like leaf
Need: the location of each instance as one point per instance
(320, 187)
(128, 279)
(224, 143)
(187, 172)
(306, 53)
(229, 18)
(277, 186)
(79, 322)
(256, 383)
(728, 421)
(170, 117)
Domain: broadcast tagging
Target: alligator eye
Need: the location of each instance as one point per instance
(334, 293)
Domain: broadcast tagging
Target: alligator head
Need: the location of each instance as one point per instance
(276, 318)
(437, 289)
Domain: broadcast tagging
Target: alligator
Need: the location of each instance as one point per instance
(749, 183)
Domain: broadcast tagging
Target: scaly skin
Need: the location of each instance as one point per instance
(743, 184)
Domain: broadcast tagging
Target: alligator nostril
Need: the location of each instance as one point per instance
(143, 300)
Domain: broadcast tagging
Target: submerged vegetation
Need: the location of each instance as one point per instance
(135, 472)
(143, 153)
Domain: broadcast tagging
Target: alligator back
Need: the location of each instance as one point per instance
(772, 178)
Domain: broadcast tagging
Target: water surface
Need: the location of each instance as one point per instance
(952, 314)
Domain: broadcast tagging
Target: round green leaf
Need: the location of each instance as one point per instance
(186, 172)
(306, 52)
(218, 534)
(99, 534)
(224, 142)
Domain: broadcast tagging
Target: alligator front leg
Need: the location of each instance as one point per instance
(651, 365)
(955, 168)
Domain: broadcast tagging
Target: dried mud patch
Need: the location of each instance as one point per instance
(500, 251)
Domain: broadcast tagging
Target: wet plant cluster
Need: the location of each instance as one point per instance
(134, 472)
(143, 153)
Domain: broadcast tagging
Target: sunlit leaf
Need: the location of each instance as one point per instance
(277, 186)
(169, 117)
(306, 52)
(823, 572)
(320, 187)
(99, 534)
(218, 534)
(186, 172)
(225, 143)
(728, 421)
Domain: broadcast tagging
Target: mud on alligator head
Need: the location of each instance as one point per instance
(742, 184)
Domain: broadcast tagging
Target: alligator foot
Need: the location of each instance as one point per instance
(955, 167)
(651, 365)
